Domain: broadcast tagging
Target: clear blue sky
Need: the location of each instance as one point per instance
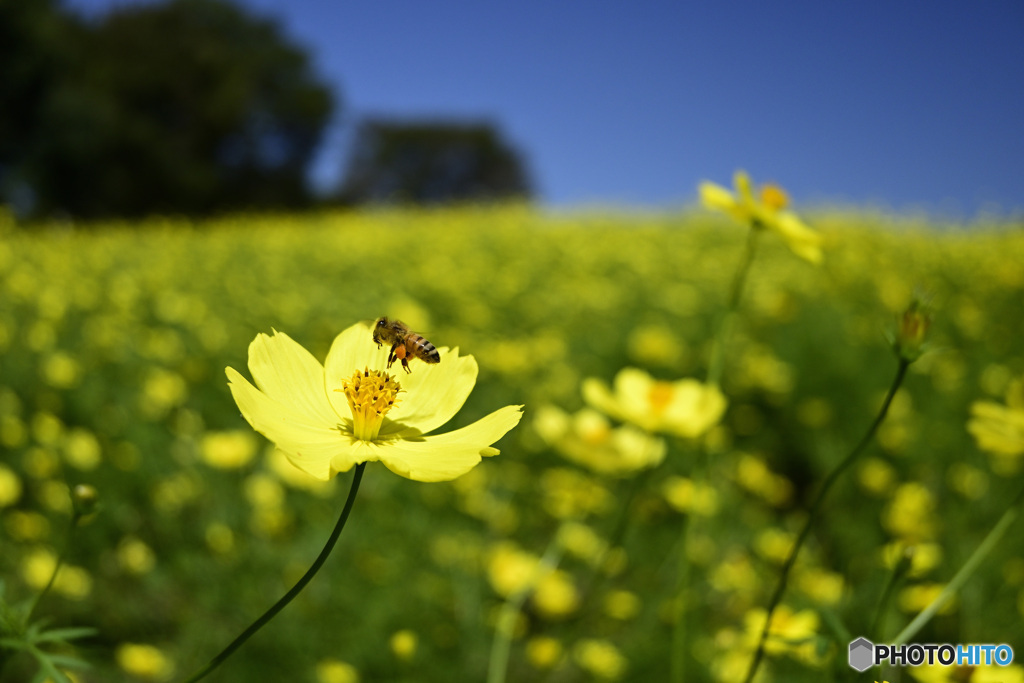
(903, 105)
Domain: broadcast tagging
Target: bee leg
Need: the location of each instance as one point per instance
(392, 356)
(405, 365)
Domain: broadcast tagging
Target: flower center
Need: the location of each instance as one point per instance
(774, 197)
(659, 396)
(371, 394)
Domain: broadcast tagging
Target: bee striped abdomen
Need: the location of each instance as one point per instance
(423, 349)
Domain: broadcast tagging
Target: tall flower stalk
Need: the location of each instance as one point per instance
(764, 212)
(330, 418)
(295, 590)
(812, 512)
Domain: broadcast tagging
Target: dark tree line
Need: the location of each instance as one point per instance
(191, 106)
(432, 163)
(195, 107)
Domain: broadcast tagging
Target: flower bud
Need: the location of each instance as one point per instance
(913, 326)
(84, 500)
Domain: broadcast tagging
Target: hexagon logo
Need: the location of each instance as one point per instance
(862, 654)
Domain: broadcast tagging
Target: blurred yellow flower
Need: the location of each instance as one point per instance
(689, 496)
(10, 487)
(227, 450)
(571, 494)
(621, 604)
(404, 643)
(72, 582)
(685, 408)
(134, 556)
(600, 658)
(769, 212)
(998, 428)
(967, 674)
(336, 671)
(587, 439)
(144, 661)
(923, 557)
(543, 652)
(327, 418)
(911, 514)
(917, 597)
(555, 596)
(791, 633)
(82, 449)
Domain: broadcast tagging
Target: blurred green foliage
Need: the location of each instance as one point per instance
(113, 345)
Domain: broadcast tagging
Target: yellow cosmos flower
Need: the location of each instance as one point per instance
(685, 408)
(587, 439)
(768, 212)
(327, 418)
(999, 428)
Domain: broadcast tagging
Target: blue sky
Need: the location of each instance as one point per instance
(898, 105)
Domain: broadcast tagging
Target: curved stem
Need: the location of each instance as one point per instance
(990, 542)
(296, 589)
(780, 588)
(56, 568)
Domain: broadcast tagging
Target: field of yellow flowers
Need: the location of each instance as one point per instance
(603, 543)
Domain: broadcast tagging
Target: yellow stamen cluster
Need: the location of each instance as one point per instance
(774, 197)
(371, 394)
(659, 396)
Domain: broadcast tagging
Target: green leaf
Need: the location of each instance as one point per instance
(64, 634)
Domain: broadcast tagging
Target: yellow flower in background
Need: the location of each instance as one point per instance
(144, 661)
(686, 408)
(600, 658)
(544, 652)
(911, 514)
(767, 212)
(690, 496)
(227, 450)
(404, 644)
(791, 633)
(10, 487)
(336, 671)
(986, 673)
(587, 439)
(327, 418)
(998, 428)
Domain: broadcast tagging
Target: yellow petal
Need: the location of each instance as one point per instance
(802, 240)
(309, 441)
(443, 457)
(741, 181)
(695, 408)
(597, 394)
(290, 375)
(435, 393)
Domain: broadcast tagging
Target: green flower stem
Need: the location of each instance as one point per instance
(680, 634)
(834, 475)
(296, 589)
(75, 518)
(896, 576)
(739, 281)
(972, 563)
(498, 665)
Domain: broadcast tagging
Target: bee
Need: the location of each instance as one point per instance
(405, 343)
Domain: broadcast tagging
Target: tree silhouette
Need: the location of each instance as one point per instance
(190, 106)
(430, 163)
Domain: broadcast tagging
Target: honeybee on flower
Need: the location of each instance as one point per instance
(404, 342)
